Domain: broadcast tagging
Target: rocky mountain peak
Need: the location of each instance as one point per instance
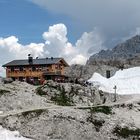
(126, 50)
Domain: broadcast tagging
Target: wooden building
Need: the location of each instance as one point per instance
(37, 70)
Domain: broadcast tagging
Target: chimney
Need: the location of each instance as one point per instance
(30, 59)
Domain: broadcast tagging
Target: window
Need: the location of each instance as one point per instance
(21, 68)
(12, 69)
(33, 68)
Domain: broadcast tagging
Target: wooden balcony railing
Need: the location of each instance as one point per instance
(52, 73)
(24, 73)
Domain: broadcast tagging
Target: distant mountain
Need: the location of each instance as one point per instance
(123, 52)
(124, 55)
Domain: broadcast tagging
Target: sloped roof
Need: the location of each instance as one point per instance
(42, 61)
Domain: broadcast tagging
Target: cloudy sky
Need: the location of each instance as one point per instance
(73, 29)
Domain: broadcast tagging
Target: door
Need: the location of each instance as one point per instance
(108, 74)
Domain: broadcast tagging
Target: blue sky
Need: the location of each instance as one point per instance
(28, 21)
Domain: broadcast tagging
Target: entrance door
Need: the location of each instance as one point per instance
(108, 74)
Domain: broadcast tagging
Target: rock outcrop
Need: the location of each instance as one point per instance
(70, 94)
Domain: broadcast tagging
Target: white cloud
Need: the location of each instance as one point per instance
(132, 34)
(2, 71)
(137, 31)
(115, 18)
(90, 43)
(79, 59)
(10, 49)
(56, 45)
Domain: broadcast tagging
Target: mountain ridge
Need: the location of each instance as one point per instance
(122, 56)
(126, 50)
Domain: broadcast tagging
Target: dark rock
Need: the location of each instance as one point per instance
(7, 80)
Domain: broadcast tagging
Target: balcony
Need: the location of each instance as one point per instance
(52, 73)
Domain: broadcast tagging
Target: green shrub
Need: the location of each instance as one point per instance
(97, 123)
(126, 132)
(98, 109)
(36, 112)
(130, 106)
(40, 92)
(62, 98)
(2, 92)
(103, 109)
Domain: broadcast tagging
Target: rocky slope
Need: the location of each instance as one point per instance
(40, 113)
(66, 123)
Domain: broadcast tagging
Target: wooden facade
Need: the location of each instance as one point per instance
(37, 71)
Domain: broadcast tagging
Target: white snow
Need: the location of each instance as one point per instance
(127, 81)
(10, 135)
(1, 112)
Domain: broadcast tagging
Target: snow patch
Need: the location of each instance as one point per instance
(10, 135)
(127, 81)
